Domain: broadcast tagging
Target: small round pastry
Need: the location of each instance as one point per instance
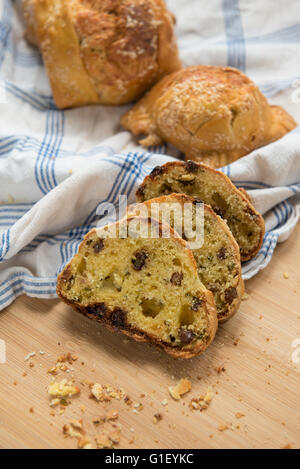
(102, 51)
(214, 115)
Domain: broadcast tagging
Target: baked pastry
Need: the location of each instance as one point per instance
(124, 281)
(212, 114)
(217, 253)
(102, 51)
(213, 188)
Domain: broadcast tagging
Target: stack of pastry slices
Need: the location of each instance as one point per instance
(170, 270)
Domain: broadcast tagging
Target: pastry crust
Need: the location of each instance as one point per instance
(218, 259)
(107, 304)
(214, 115)
(213, 188)
(102, 51)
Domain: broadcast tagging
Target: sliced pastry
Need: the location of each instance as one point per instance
(124, 277)
(215, 189)
(214, 248)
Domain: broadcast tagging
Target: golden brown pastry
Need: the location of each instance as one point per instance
(102, 51)
(213, 188)
(218, 258)
(146, 287)
(214, 115)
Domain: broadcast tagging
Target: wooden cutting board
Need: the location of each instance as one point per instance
(249, 367)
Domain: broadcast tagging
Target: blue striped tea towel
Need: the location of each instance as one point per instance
(57, 167)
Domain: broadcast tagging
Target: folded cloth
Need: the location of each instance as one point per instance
(60, 169)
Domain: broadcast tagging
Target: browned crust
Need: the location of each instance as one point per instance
(141, 336)
(282, 122)
(245, 193)
(136, 334)
(214, 115)
(102, 52)
(29, 17)
(159, 170)
(182, 199)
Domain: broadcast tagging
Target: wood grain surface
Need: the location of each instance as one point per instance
(260, 380)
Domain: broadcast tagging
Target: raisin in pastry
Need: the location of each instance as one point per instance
(217, 256)
(212, 114)
(102, 51)
(215, 189)
(126, 281)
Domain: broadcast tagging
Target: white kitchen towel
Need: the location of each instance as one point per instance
(58, 168)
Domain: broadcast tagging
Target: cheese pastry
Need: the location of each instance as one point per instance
(213, 115)
(126, 283)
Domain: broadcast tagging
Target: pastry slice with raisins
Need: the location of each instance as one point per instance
(216, 252)
(123, 277)
(214, 188)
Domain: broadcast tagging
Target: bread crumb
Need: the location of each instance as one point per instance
(54, 402)
(30, 355)
(107, 440)
(164, 402)
(157, 418)
(245, 296)
(106, 393)
(103, 442)
(61, 363)
(182, 387)
(84, 443)
(138, 406)
(62, 389)
(77, 424)
(99, 420)
(74, 429)
(239, 415)
(97, 392)
(202, 402)
(285, 275)
(223, 427)
(59, 366)
(127, 401)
